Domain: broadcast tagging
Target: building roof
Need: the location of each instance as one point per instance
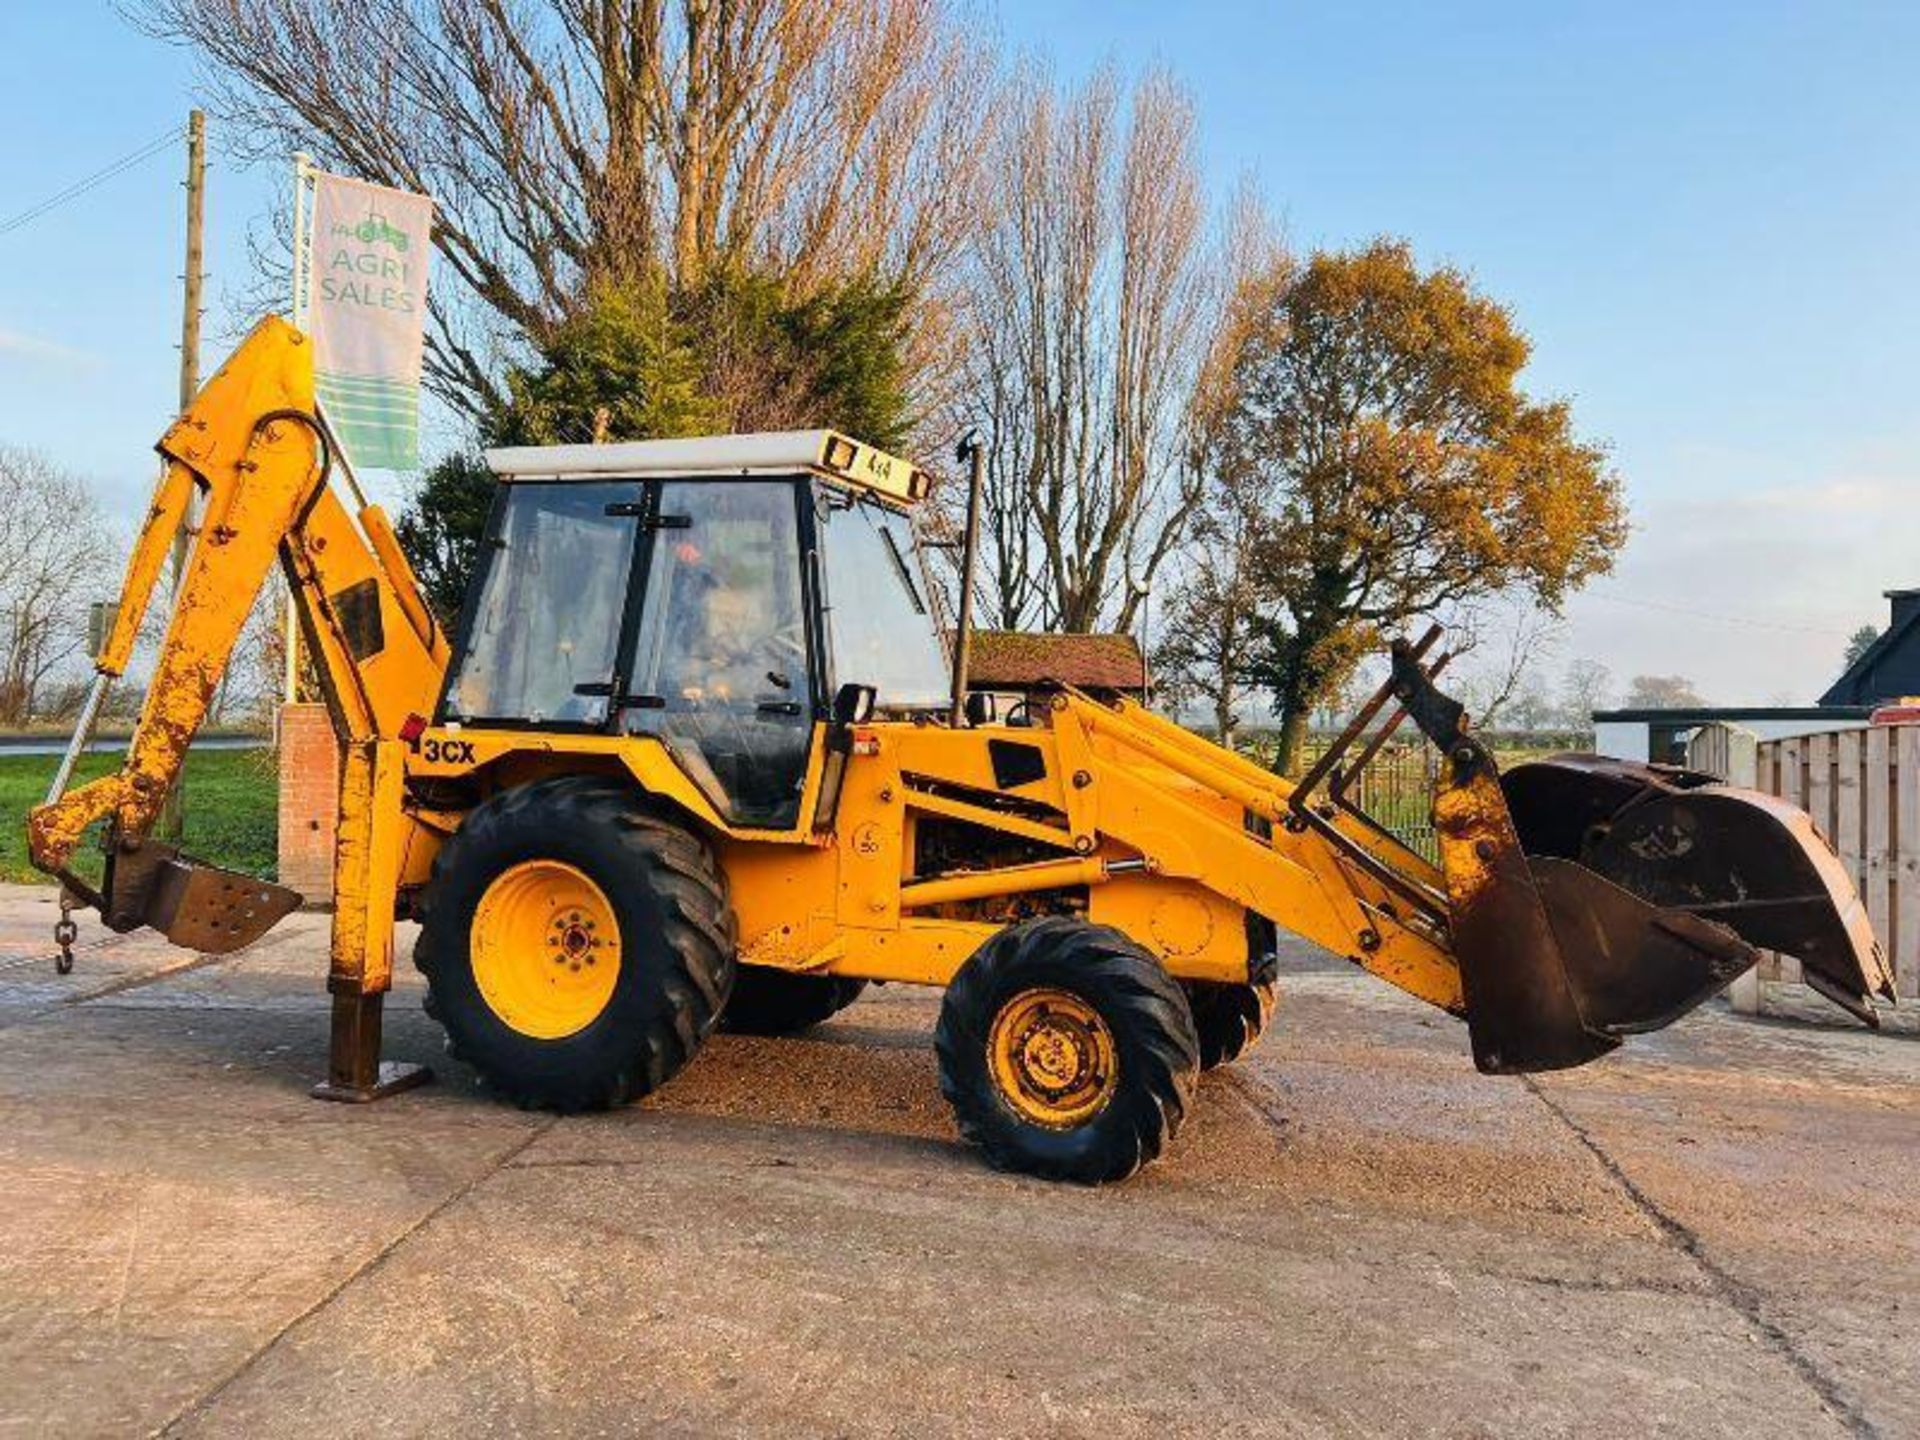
(1890, 667)
(1708, 714)
(1017, 660)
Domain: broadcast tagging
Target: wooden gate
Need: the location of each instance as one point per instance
(1862, 788)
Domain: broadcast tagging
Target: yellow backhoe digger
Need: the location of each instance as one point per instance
(693, 759)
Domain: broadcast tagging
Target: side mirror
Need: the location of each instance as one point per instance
(981, 708)
(853, 704)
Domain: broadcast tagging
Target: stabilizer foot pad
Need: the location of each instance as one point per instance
(393, 1077)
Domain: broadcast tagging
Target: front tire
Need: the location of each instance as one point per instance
(578, 947)
(1066, 1051)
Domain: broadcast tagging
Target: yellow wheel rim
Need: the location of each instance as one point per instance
(545, 948)
(1052, 1058)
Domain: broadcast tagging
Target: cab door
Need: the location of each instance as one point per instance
(720, 664)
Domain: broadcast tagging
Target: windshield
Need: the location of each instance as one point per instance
(880, 622)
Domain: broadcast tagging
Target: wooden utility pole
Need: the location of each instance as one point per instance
(190, 306)
(172, 815)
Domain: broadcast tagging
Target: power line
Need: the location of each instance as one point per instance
(99, 177)
(1688, 611)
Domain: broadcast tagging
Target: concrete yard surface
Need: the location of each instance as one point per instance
(1711, 1233)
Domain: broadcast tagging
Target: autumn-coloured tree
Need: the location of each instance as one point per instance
(1375, 421)
(1663, 692)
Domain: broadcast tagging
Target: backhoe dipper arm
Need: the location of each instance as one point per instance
(256, 478)
(254, 447)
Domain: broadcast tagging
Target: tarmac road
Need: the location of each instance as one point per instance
(1355, 1235)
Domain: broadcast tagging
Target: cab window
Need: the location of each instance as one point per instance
(880, 623)
(545, 626)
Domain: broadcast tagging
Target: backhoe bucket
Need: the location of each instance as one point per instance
(196, 906)
(1589, 899)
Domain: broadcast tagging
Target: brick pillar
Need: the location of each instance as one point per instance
(309, 801)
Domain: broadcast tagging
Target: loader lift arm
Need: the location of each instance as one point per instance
(256, 449)
(1576, 901)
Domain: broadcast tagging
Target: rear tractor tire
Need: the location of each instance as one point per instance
(1066, 1051)
(780, 1002)
(578, 947)
(1229, 1018)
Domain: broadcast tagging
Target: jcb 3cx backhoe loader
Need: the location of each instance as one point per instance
(689, 762)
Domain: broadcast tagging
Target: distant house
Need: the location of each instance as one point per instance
(1014, 663)
(1888, 670)
(1662, 735)
(1890, 667)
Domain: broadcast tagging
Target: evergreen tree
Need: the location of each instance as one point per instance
(739, 353)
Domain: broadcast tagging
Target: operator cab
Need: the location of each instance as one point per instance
(713, 593)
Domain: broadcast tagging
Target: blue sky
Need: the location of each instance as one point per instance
(1705, 215)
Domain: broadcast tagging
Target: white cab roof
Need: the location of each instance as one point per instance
(824, 452)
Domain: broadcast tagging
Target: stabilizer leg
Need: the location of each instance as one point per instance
(366, 877)
(355, 1072)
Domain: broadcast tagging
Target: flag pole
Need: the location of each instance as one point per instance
(302, 261)
(302, 168)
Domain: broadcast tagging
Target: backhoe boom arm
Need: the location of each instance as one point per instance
(255, 450)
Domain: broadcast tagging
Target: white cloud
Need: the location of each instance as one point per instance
(32, 347)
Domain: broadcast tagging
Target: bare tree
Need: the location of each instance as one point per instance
(1011, 592)
(1509, 640)
(1531, 708)
(1212, 635)
(1586, 687)
(55, 549)
(568, 142)
(1092, 302)
(251, 685)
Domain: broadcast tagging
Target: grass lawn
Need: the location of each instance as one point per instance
(230, 808)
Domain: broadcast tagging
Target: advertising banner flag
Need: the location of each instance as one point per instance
(366, 305)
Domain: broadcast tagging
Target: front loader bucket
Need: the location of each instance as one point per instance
(1682, 841)
(1557, 962)
(1590, 899)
